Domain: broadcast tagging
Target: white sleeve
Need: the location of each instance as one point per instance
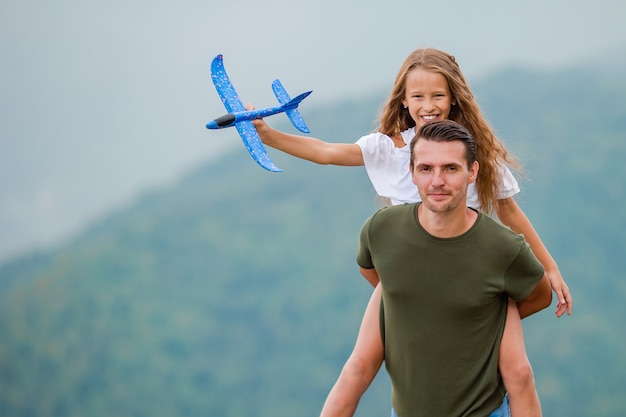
(509, 186)
(388, 168)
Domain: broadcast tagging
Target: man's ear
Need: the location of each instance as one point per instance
(473, 172)
(411, 171)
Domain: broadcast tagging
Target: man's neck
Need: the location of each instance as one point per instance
(449, 224)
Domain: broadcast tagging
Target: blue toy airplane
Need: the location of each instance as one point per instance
(241, 118)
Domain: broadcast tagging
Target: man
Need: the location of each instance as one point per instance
(446, 272)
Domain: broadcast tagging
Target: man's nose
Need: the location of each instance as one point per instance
(438, 179)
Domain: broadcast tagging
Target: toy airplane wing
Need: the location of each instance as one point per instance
(233, 104)
(255, 147)
(224, 87)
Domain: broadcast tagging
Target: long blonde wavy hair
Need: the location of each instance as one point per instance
(491, 152)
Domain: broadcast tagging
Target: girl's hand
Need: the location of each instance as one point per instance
(262, 128)
(562, 292)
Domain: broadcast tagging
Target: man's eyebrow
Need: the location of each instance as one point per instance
(445, 165)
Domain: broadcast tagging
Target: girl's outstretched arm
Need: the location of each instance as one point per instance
(361, 367)
(311, 149)
(512, 215)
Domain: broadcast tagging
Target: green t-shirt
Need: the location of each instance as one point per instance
(445, 303)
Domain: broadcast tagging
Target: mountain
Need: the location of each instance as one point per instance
(234, 292)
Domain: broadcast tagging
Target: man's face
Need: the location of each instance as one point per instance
(441, 174)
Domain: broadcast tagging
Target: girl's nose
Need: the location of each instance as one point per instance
(429, 104)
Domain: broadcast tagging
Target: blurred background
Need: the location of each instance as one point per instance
(149, 267)
(101, 100)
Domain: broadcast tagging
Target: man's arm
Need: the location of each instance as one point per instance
(512, 215)
(540, 298)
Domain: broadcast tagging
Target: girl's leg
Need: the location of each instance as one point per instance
(361, 367)
(517, 374)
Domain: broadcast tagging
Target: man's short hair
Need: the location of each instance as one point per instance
(447, 131)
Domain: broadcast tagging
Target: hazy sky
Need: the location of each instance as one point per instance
(100, 100)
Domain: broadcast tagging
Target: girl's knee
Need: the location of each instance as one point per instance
(518, 375)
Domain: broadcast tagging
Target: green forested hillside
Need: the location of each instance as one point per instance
(235, 292)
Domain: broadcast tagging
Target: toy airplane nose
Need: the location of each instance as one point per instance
(227, 120)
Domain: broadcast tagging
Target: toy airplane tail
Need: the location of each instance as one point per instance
(291, 105)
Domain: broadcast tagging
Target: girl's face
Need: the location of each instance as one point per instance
(427, 96)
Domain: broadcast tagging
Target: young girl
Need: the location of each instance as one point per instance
(430, 86)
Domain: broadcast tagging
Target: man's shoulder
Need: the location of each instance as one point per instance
(494, 223)
(395, 210)
(390, 215)
(496, 229)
